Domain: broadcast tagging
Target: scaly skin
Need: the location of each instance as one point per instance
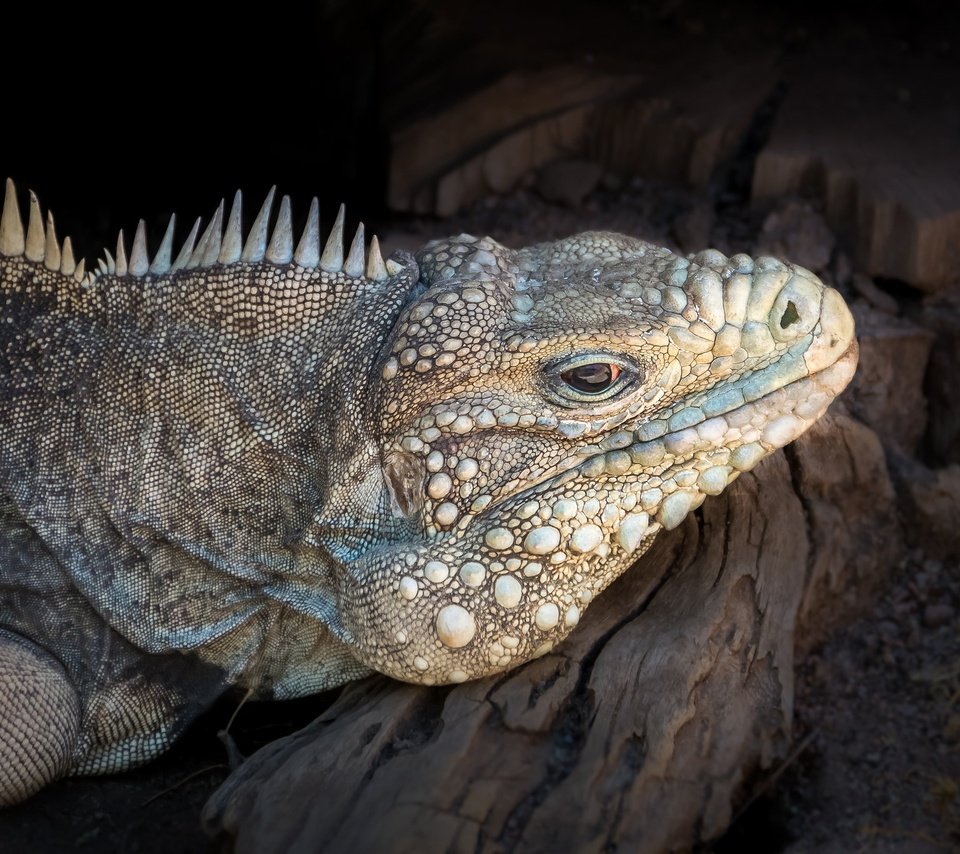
(281, 473)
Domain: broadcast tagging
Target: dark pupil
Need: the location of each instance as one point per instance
(589, 378)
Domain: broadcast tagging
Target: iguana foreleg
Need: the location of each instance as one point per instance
(39, 719)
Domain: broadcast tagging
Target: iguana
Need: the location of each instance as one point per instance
(276, 467)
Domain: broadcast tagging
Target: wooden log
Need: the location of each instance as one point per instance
(941, 315)
(493, 138)
(487, 140)
(644, 731)
(860, 123)
(887, 392)
(881, 152)
(476, 120)
(851, 511)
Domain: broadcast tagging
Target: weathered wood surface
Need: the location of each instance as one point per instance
(480, 117)
(882, 156)
(494, 138)
(834, 105)
(646, 730)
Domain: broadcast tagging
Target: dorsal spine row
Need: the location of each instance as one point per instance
(216, 245)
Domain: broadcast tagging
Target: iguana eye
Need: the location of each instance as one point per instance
(586, 380)
(593, 378)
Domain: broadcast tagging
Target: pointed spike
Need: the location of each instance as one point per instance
(51, 249)
(256, 245)
(308, 249)
(35, 236)
(81, 270)
(376, 272)
(121, 256)
(161, 262)
(11, 226)
(202, 244)
(233, 236)
(353, 266)
(67, 263)
(201, 247)
(216, 237)
(208, 249)
(280, 250)
(393, 268)
(139, 257)
(186, 253)
(110, 264)
(332, 259)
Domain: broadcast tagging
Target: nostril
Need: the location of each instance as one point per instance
(790, 315)
(796, 310)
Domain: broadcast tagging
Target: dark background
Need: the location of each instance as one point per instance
(163, 107)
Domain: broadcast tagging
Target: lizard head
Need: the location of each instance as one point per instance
(545, 412)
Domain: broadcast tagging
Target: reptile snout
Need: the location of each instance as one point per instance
(835, 335)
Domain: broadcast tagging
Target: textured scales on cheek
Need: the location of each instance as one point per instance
(532, 495)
